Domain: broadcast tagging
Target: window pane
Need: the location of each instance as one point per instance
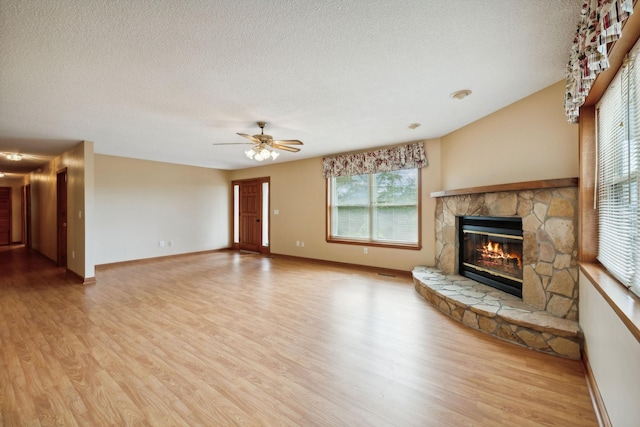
(352, 190)
(396, 188)
(352, 221)
(236, 214)
(265, 214)
(396, 223)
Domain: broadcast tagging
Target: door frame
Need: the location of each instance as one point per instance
(61, 217)
(10, 234)
(264, 249)
(26, 217)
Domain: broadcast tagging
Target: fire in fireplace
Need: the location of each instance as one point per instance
(491, 251)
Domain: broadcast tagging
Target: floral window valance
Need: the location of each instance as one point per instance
(600, 24)
(384, 160)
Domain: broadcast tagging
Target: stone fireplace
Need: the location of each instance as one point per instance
(544, 315)
(549, 223)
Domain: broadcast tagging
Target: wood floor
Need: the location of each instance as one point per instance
(224, 338)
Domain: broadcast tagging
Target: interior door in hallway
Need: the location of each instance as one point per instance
(5, 215)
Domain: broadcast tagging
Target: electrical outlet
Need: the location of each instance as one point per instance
(366, 250)
(297, 242)
(276, 211)
(302, 244)
(161, 243)
(170, 243)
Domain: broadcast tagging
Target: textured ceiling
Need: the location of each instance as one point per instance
(165, 80)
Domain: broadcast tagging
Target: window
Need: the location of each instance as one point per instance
(618, 139)
(379, 208)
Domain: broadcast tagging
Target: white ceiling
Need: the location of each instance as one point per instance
(165, 80)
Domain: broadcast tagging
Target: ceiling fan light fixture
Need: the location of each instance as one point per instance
(14, 157)
(260, 153)
(265, 146)
(1, 174)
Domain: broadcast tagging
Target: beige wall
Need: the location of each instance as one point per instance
(89, 212)
(139, 203)
(614, 356)
(526, 141)
(43, 208)
(298, 192)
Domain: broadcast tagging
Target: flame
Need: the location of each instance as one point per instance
(494, 251)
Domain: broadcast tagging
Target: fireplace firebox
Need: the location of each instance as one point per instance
(491, 251)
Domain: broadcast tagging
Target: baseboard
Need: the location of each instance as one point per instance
(142, 260)
(83, 280)
(594, 392)
(377, 270)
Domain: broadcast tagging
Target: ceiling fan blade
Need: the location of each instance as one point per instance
(233, 143)
(288, 142)
(254, 139)
(285, 147)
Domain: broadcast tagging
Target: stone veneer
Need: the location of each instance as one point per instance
(497, 313)
(549, 222)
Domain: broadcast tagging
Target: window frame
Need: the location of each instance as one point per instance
(617, 174)
(370, 242)
(622, 301)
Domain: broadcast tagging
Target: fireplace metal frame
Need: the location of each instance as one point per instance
(509, 226)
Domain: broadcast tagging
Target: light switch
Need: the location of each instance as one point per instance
(276, 211)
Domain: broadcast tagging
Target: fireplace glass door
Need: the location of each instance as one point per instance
(491, 252)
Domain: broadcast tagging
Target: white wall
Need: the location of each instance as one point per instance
(614, 356)
(138, 203)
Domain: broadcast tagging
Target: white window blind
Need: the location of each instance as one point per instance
(618, 133)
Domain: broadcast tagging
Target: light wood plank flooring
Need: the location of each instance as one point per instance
(224, 338)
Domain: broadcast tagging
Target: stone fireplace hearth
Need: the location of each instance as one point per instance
(546, 316)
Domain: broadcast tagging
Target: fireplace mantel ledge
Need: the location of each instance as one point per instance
(516, 186)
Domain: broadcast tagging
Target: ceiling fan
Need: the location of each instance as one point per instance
(263, 143)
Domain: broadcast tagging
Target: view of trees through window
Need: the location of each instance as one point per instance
(381, 207)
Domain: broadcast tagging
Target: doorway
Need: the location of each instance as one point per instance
(251, 215)
(61, 203)
(5, 216)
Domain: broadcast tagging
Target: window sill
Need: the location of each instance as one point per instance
(410, 246)
(625, 304)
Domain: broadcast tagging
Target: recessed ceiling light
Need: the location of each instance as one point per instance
(1, 174)
(460, 94)
(414, 125)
